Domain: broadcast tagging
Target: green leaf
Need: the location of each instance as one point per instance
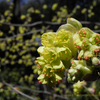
(48, 66)
(58, 77)
(68, 27)
(39, 72)
(75, 23)
(81, 53)
(41, 61)
(78, 42)
(86, 70)
(67, 64)
(95, 60)
(41, 77)
(71, 46)
(40, 50)
(44, 81)
(57, 64)
(88, 54)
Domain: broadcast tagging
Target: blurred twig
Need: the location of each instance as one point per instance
(21, 93)
(96, 30)
(26, 25)
(91, 93)
(31, 32)
(46, 22)
(17, 91)
(27, 96)
(38, 91)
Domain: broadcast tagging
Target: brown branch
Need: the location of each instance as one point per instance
(38, 91)
(17, 91)
(91, 93)
(46, 22)
(27, 25)
(53, 23)
(96, 30)
(31, 32)
(27, 96)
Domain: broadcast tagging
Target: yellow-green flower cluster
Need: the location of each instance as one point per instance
(78, 70)
(78, 88)
(88, 44)
(58, 47)
(61, 46)
(88, 47)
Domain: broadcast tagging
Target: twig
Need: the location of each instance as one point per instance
(38, 91)
(31, 32)
(21, 93)
(53, 23)
(27, 25)
(17, 91)
(91, 93)
(46, 22)
(96, 30)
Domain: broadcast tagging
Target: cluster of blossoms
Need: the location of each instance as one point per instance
(59, 48)
(78, 87)
(88, 46)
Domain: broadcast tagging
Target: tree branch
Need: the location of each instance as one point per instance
(27, 25)
(46, 22)
(90, 92)
(38, 91)
(17, 91)
(31, 32)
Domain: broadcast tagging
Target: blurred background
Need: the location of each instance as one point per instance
(22, 22)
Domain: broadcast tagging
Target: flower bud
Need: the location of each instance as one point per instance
(95, 39)
(78, 88)
(95, 61)
(75, 23)
(78, 70)
(85, 33)
(87, 55)
(68, 27)
(48, 39)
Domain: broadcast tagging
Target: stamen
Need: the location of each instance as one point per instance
(80, 35)
(65, 52)
(72, 62)
(39, 65)
(39, 82)
(84, 40)
(51, 75)
(51, 70)
(64, 40)
(44, 73)
(36, 61)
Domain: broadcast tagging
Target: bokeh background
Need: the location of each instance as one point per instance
(22, 22)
